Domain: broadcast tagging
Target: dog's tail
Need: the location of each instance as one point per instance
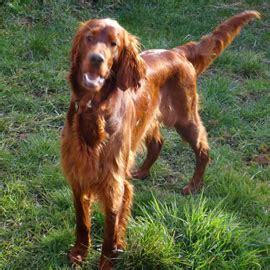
(201, 54)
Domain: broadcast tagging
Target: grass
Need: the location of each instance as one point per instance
(224, 227)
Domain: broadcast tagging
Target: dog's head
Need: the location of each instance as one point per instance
(102, 49)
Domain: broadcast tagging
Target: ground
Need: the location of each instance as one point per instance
(226, 226)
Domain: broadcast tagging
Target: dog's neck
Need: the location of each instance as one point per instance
(85, 100)
(96, 114)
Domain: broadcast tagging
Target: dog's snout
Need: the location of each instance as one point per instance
(96, 59)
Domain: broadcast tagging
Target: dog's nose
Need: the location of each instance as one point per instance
(96, 59)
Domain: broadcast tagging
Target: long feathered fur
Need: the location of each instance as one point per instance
(201, 54)
(99, 142)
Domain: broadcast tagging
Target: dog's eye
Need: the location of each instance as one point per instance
(113, 43)
(89, 38)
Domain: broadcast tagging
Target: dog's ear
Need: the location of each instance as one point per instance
(131, 67)
(75, 57)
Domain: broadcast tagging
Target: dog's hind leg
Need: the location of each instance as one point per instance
(153, 142)
(195, 134)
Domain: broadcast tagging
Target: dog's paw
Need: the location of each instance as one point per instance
(105, 263)
(191, 188)
(140, 174)
(77, 254)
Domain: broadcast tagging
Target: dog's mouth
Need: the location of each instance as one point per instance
(93, 81)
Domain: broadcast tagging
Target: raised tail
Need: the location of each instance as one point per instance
(201, 54)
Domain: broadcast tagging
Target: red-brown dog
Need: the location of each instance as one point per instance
(119, 100)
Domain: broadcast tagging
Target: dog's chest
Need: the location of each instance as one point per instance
(95, 129)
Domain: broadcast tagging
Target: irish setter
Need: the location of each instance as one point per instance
(119, 100)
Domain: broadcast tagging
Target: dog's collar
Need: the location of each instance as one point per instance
(92, 103)
(77, 105)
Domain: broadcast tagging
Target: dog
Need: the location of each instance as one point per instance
(120, 97)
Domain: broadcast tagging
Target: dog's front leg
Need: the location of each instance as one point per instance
(82, 203)
(109, 247)
(112, 201)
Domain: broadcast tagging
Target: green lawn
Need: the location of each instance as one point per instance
(224, 227)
